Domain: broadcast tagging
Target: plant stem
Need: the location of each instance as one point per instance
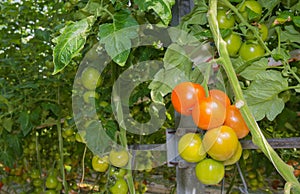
(258, 138)
(61, 154)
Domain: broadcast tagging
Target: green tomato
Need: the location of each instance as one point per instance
(263, 31)
(37, 182)
(210, 171)
(90, 94)
(100, 164)
(51, 182)
(118, 158)
(90, 78)
(118, 172)
(120, 187)
(225, 20)
(190, 148)
(50, 192)
(233, 44)
(250, 50)
(251, 10)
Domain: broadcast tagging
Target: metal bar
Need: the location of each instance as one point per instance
(276, 143)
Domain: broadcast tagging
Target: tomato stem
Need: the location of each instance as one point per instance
(257, 136)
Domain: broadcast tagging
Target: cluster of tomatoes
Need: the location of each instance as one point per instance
(222, 123)
(118, 159)
(245, 46)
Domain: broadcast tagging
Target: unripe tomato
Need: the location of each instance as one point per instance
(190, 148)
(210, 171)
(235, 120)
(100, 164)
(263, 31)
(236, 156)
(120, 187)
(117, 172)
(51, 182)
(225, 20)
(220, 143)
(209, 113)
(90, 78)
(119, 158)
(221, 96)
(233, 44)
(252, 6)
(185, 95)
(88, 95)
(250, 50)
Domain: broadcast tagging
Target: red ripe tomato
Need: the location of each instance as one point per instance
(185, 95)
(209, 113)
(234, 119)
(221, 96)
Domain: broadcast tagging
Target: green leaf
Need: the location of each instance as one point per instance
(7, 124)
(262, 94)
(290, 34)
(97, 139)
(117, 36)
(25, 124)
(296, 20)
(70, 42)
(255, 68)
(161, 7)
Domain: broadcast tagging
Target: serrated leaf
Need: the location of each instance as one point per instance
(117, 36)
(70, 42)
(161, 7)
(262, 94)
(255, 68)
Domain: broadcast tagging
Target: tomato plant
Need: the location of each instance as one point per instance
(210, 171)
(190, 148)
(209, 113)
(220, 143)
(185, 95)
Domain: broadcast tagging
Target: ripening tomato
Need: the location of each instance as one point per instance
(220, 143)
(235, 120)
(185, 95)
(220, 95)
(210, 171)
(236, 156)
(190, 148)
(209, 113)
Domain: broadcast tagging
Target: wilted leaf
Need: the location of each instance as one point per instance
(262, 95)
(70, 42)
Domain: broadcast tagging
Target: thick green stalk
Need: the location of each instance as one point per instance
(258, 138)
